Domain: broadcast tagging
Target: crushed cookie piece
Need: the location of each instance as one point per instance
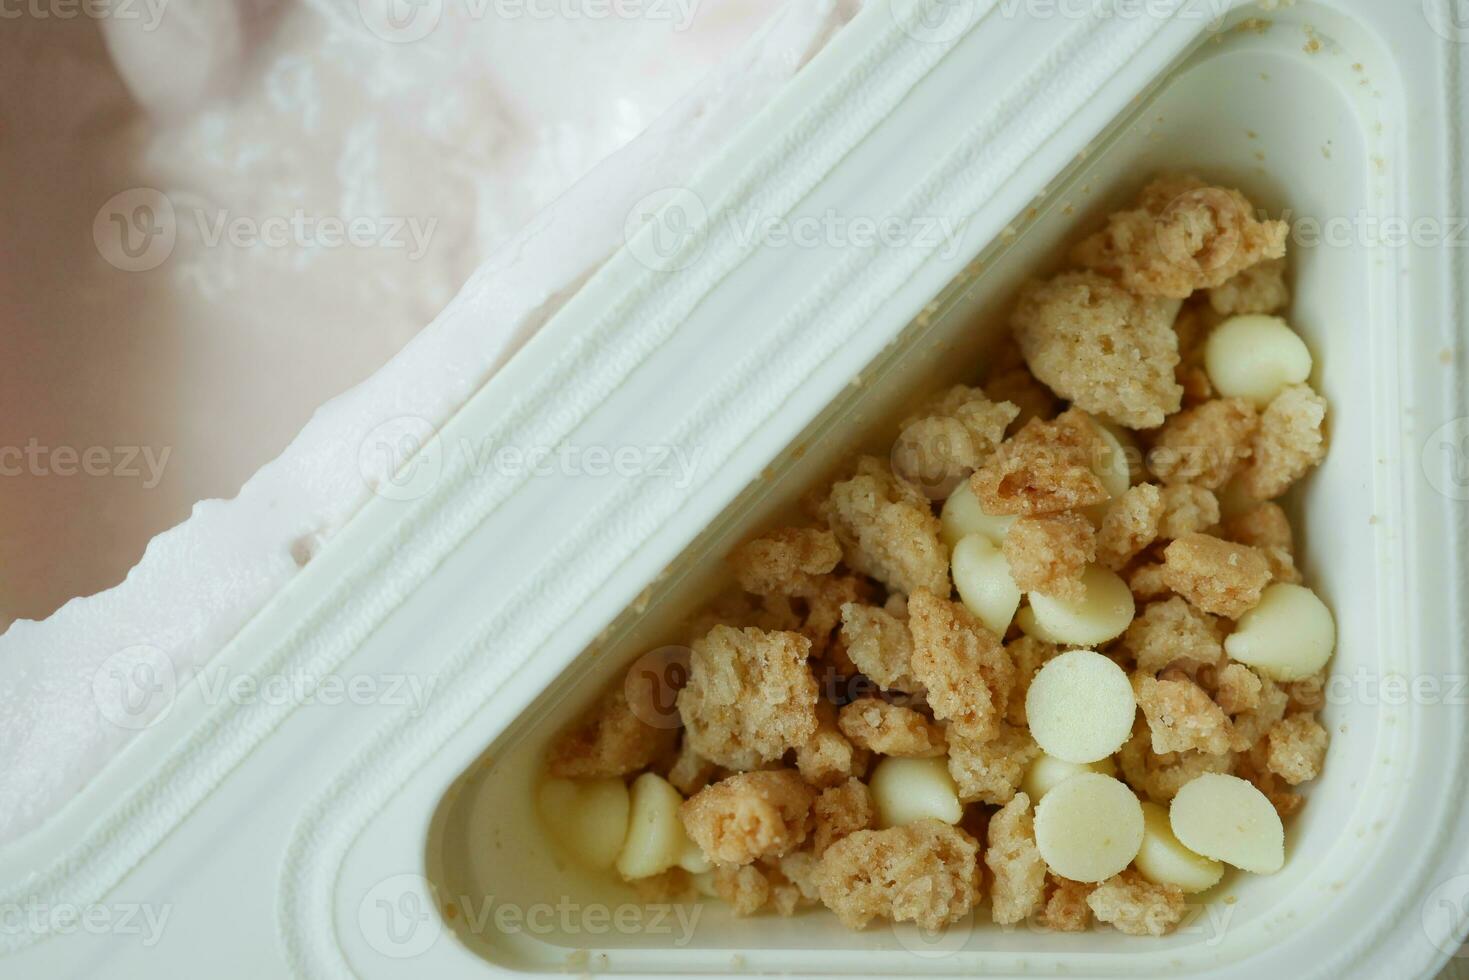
(1261, 526)
(609, 740)
(1237, 689)
(1018, 873)
(1204, 445)
(1181, 716)
(1171, 632)
(1048, 554)
(887, 530)
(961, 664)
(991, 771)
(744, 887)
(750, 816)
(828, 758)
(890, 729)
(1108, 351)
(1187, 508)
(1066, 909)
(1129, 525)
(942, 443)
(839, 811)
(1020, 388)
(1289, 442)
(879, 644)
(1297, 748)
(1147, 582)
(750, 696)
(1217, 576)
(926, 872)
(1184, 235)
(1044, 468)
(1135, 906)
(786, 561)
(690, 771)
(1259, 289)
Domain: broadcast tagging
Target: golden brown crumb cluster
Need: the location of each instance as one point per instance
(842, 644)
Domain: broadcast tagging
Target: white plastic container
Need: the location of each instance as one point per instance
(1013, 129)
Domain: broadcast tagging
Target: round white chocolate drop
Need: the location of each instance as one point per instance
(1164, 860)
(1226, 818)
(1288, 635)
(962, 516)
(1254, 357)
(1102, 614)
(905, 790)
(1048, 772)
(1089, 827)
(586, 817)
(1080, 707)
(655, 836)
(986, 587)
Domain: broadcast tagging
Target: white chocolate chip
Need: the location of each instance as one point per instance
(1102, 614)
(962, 516)
(1164, 860)
(1287, 636)
(986, 587)
(1089, 827)
(1047, 772)
(905, 790)
(1254, 357)
(586, 817)
(1228, 819)
(655, 836)
(1111, 468)
(1080, 707)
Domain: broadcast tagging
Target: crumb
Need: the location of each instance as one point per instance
(1184, 235)
(1108, 351)
(785, 561)
(1259, 289)
(1217, 576)
(990, 772)
(1204, 445)
(1048, 554)
(749, 816)
(1186, 509)
(1044, 468)
(745, 888)
(889, 729)
(888, 530)
(1290, 441)
(1135, 906)
(800, 869)
(1066, 909)
(1020, 388)
(609, 740)
(786, 897)
(1018, 874)
(1237, 689)
(1181, 716)
(1170, 632)
(1297, 748)
(1159, 778)
(925, 872)
(1282, 566)
(1193, 325)
(828, 758)
(1147, 581)
(943, 443)
(840, 811)
(1262, 526)
(1250, 727)
(1254, 768)
(750, 696)
(1028, 654)
(823, 608)
(690, 772)
(879, 644)
(1129, 525)
(961, 664)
